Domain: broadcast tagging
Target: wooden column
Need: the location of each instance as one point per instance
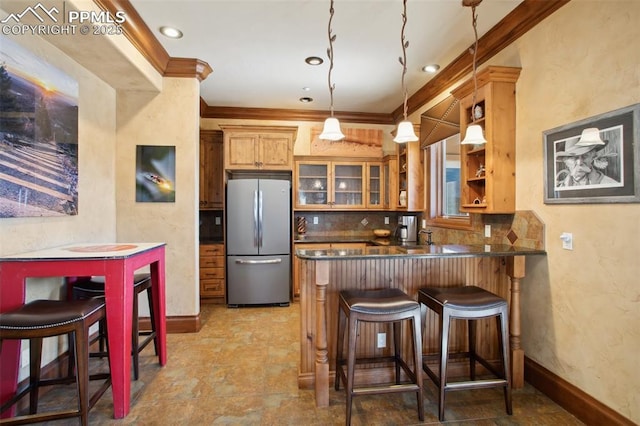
(515, 270)
(322, 354)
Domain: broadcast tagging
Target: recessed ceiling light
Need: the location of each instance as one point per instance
(306, 100)
(431, 68)
(306, 89)
(171, 32)
(314, 60)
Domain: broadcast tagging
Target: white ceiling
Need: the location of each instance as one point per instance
(257, 47)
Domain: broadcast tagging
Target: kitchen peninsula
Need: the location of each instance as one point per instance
(323, 273)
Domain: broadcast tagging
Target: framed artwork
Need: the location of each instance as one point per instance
(38, 136)
(155, 174)
(595, 160)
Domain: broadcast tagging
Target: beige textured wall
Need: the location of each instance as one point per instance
(581, 312)
(168, 118)
(95, 221)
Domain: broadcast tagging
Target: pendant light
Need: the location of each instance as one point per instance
(405, 128)
(331, 130)
(473, 135)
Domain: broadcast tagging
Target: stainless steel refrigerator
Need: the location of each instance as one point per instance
(258, 242)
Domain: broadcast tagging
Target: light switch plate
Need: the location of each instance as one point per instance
(567, 240)
(386, 220)
(487, 231)
(315, 220)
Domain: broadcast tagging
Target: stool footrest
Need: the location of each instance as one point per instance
(371, 390)
(475, 384)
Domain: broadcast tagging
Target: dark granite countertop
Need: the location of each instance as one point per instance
(418, 251)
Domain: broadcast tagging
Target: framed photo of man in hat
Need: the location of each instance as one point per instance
(594, 160)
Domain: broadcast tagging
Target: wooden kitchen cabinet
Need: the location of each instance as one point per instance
(390, 182)
(212, 274)
(258, 147)
(487, 172)
(322, 184)
(211, 170)
(316, 246)
(410, 188)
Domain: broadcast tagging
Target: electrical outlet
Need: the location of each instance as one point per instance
(386, 220)
(487, 231)
(315, 220)
(382, 340)
(218, 220)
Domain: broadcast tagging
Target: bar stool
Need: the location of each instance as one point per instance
(46, 318)
(468, 303)
(388, 305)
(85, 288)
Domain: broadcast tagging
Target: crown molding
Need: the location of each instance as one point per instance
(187, 67)
(524, 17)
(143, 39)
(291, 114)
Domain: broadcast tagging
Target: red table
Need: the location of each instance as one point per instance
(117, 262)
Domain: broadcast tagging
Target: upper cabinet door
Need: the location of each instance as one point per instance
(375, 186)
(211, 170)
(348, 185)
(258, 147)
(312, 185)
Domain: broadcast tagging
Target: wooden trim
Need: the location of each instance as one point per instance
(294, 115)
(524, 17)
(138, 33)
(586, 408)
(182, 324)
(187, 67)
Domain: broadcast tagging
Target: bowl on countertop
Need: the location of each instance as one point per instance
(381, 233)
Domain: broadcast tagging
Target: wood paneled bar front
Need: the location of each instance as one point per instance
(323, 273)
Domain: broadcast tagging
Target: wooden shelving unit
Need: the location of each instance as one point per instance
(488, 171)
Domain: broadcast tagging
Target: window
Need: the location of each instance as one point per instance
(443, 191)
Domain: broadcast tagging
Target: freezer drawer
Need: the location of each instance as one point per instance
(257, 280)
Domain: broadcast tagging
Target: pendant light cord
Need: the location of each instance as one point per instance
(332, 38)
(403, 59)
(474, 22)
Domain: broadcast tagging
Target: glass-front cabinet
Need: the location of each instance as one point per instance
(313, 184)
(322, 184)
(375, 185)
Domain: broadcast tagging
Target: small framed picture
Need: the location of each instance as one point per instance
(594, 160)
(155, 174)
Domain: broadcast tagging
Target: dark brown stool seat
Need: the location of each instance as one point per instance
(46, 318)
(90, 287)
(388, 305)
(468, 303)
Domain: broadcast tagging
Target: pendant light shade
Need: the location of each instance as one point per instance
(405, 133)
(331, 130)
(473, 136)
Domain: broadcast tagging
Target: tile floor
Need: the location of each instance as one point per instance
(241, 369)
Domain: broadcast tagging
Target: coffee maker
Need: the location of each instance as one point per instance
(408, 229)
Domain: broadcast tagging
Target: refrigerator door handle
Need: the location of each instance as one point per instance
(255, 218)
(258, 262)
(260, 224)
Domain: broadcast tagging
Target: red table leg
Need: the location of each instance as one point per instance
(119, 300)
